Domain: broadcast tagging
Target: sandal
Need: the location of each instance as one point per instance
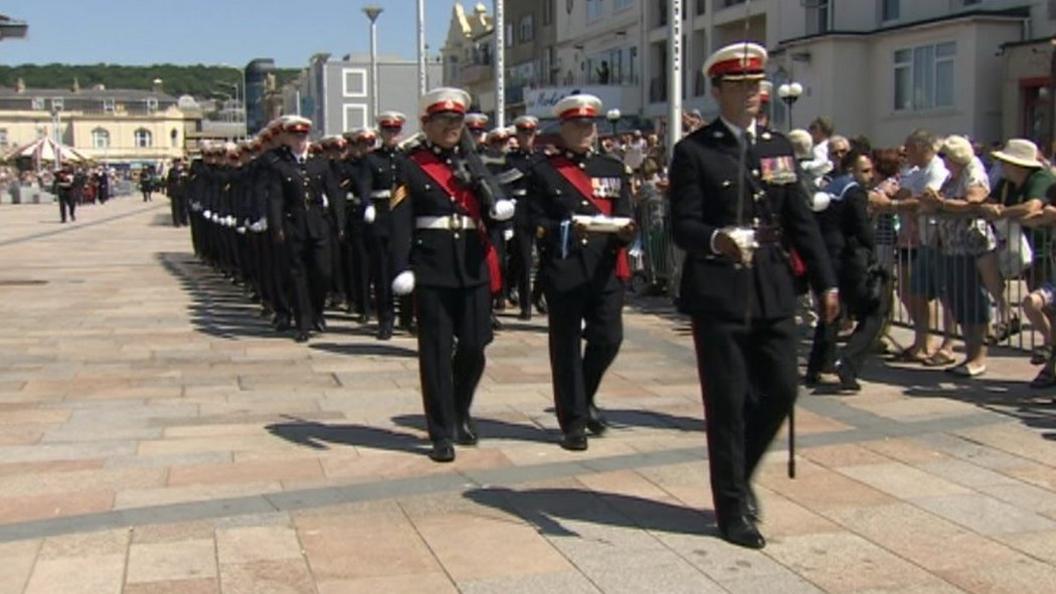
(1003, 331)
(939, 359)
(909, 356)
(963, 370)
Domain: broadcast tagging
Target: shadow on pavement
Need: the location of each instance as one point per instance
(218, 308)
(545, 508)
(490, 429)
(321, 436)
(384, 350)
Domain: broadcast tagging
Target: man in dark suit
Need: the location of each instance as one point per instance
(64, 188)
(442, 253)
(735, 205)
(303, 195)
(582, 210)
(523, 158)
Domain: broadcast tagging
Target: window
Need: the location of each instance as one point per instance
(508, 42)
(152, 104)
(100, 138)
(619, 5)
(924, 77)
(818, 18)
(971, 2)
(57, 104)
(527, 29)
(889, 10)
(37, 103)
(174, 138)
(109, 105)
(354, 116)
(144, 139)
(548, 12)
(595, 10)
(354, 82)
(702, 6)
(3, 136)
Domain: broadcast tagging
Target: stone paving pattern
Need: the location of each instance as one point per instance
(157, 437)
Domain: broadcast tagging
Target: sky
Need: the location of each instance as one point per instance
(233, 32)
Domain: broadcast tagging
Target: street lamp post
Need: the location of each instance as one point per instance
(373, 12)
(789, 93)
(613, 115)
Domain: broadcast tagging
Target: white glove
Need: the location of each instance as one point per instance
(255, 227)
(240, 230)
(507, 234)
(403, 284)
(216, 218)
(209, 214)
(369, 214)
(263, 224)
(744, 238)
(230, 221)
(503, 210)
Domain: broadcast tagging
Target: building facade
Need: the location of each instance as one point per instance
(531, 53)
(468, 53)
(109, 126)
(336, 94)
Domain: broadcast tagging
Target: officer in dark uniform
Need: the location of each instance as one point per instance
(355, 181)
(523, 158)
(735, 204)
(494, 157)
(442, 253)
(333, 149)
(383, 166)
(64, 188)
(300, 194)
(176, 187)
(582, 211)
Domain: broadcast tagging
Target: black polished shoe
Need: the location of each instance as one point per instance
(575, 441)
(364, 318)
(442, 451)
(811, 380)
(384, 332)
(282, 322)
(319, 324)
(540, 305)
(848, 382)
(525, 316)
(496, 324)
(596, 423)
(466, 433)
(302, 336)
(742, 532)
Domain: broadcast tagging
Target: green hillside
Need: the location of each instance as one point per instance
(198, 80)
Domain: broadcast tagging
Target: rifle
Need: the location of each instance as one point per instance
(471, 171)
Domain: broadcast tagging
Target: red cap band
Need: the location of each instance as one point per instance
(737, 66)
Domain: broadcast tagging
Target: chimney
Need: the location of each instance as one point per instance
(76, 85)
(20, 85)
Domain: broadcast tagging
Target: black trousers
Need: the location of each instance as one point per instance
(454, 327)
(176, 206)
(521, 268)
(310, 275)
(749, 379)
(357, 270)
(67, 203)
(381, 276)
(576, 371)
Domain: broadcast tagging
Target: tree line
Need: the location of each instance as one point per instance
(198, 80)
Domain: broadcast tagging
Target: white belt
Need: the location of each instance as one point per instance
(519, 193)
(449, 223)
(381, 194)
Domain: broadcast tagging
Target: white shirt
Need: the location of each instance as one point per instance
(916, 180)
(737, 130)
(820, 164)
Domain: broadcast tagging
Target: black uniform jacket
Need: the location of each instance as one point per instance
(519, 189)
(296, 194)
(384, 168)
(438, 257)
(704, 196)
(567, 262)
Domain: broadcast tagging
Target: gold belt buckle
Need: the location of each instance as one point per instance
(455, 223)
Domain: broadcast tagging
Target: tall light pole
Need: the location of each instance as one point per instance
(674, 82)
(500, 65)
(421, 49)
(372, 12)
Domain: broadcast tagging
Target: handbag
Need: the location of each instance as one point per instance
(1014, 254)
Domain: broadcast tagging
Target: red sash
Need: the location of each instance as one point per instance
(581, 181)
(445, 178)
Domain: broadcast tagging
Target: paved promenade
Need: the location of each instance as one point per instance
(157, 437)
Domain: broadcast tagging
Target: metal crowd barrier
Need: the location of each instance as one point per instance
(653, 260)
